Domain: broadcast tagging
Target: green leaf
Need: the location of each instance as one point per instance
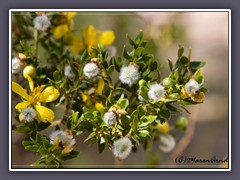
(204, 90)
(110, 69)
(41, 126)
(101, 145)
(73, 69)
(138, 51)
(140, 110)
(180, 51)
(126, 54)
(56, 76)
(143, 133)
(197, 65)
(164, 113)
(71, 155)
(184, 61)
(172, 108)
(139, 37)
(170, 65)
(90, 136)
(134, 123)
(198, 77)
(124, 104)
(130, 41)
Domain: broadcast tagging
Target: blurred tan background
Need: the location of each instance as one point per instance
(207, 34)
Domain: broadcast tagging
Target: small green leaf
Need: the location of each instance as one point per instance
(184, 61)
(164, 113)
(101, 145)
(41, 126)
(90, 136)
(124, 104)
(143, 133)
(180, 51)
(138, 51)
(56, 76)
(198, 77)
(197, 65)
(71, 155)
(130, 41)
(125, 53)
(110, 69)
(139, 37)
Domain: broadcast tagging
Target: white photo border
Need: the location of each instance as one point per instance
(122, 10)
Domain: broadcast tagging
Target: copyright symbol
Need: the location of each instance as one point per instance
(179, 159)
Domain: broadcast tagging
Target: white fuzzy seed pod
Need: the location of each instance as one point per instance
(91, 70)
(129, 75)
(66, 139)
(167, 143)
(156, 92)
(122, 148)
(68, 72)
(28, 114)
(41, 22)
(16, 65)
(110, 118)
(191, 87)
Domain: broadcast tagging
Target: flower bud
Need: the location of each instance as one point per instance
(29, 71)
(110, 118)
(156, 92)
(163, 128)
(167, 82)
(181, 123)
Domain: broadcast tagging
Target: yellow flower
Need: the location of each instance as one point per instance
(88, 97)
(35, 97)
(163, 128)
(66, 24)
(90, 38)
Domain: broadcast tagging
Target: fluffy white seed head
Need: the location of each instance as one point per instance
(192, 86)
(68, 72)
(16, 65)
(156, 92)
(129, 75)
(41, 22)
(91, 70)
(110, 118)
(167, 142)
(28, 114)
(63, 137)
(122, 148)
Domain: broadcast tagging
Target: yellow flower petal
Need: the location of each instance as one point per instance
(106, 38)
(99, 106)
(30, 81)
(100, 86)
(77, 47)
(19, 90)
(89, 35)
(49, 94)
(60, 30)
(22, 105)
(44, 114)
(69, 15)
(71, 38)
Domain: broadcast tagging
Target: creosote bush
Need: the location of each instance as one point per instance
(122, 102)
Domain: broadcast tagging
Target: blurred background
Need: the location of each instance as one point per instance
(207, 35)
